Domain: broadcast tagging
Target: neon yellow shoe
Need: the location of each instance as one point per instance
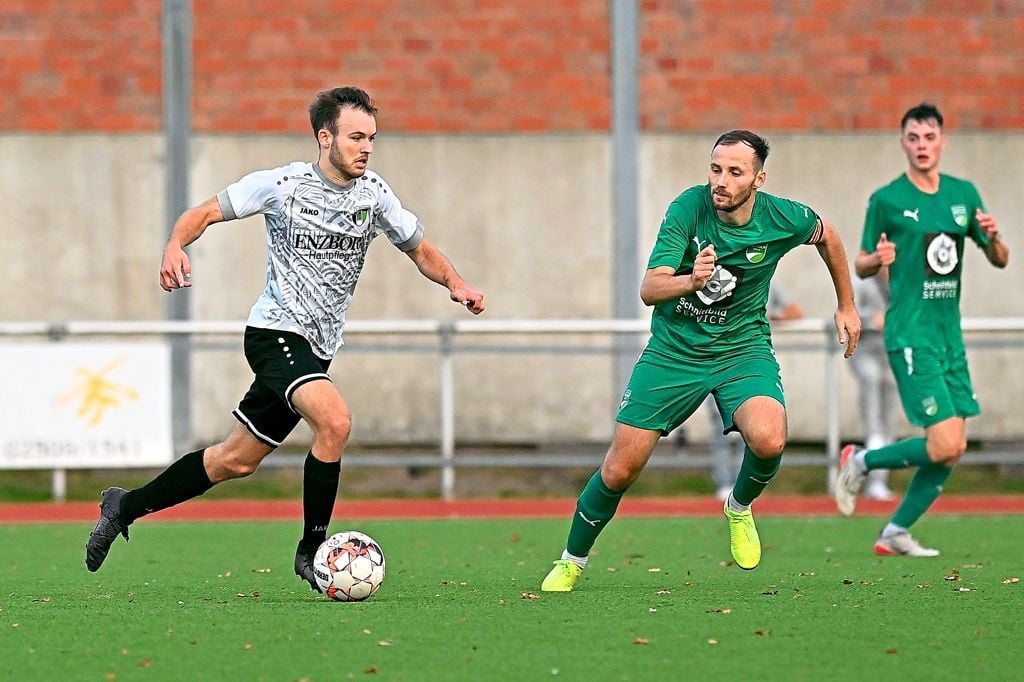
(743, 539)
(562, 578)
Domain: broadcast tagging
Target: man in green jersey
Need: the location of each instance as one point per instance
(915, 228)
(708, 279)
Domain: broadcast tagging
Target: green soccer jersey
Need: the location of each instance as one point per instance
(727, 317)
(928, 231)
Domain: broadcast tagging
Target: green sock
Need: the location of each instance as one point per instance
(924, 487)
(755, 474)
(911, 452)
(594, 509)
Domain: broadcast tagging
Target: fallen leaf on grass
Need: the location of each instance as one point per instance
(663, 592)
(384, 642)
(1011, 581)
(763, 633)
(847, 581)
(712, 641)
(247, 646)
(372, 670)
(529, 595)
(723, 611)
(963, 589)
(641, 641)
(892, 651)
(145, 663)
(953, 576)
(261, 570)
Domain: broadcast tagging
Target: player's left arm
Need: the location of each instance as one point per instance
(830, 248)
(436, 267)
(997, 252)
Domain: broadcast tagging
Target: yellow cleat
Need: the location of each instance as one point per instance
(743, 539)
(562, 578)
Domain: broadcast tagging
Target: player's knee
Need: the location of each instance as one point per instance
(332, 432)
(947, 452)
(767, 445)
(618, 475)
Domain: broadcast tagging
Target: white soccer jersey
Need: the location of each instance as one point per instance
(317, 236)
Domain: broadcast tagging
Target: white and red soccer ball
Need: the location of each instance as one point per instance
(349, 566)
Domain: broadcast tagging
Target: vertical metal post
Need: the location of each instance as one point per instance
(177, 114)
(446, 379)
(625, 182)
(832, 360)
(59, 485)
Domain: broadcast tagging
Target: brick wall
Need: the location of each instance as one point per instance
(518, 65)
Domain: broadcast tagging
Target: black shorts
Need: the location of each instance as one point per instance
(281, 361)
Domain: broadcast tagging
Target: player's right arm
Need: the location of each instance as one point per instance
(876, 251)
(662, 284)
(175, 269)
(867, 264)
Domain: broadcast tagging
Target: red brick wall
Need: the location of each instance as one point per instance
(518, 65)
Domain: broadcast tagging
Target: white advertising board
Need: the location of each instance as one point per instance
(85, 405)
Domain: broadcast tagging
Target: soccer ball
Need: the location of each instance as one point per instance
(349, 566)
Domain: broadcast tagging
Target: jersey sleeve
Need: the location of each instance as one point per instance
(974, 230)
(673, 237)
(401, 226)
(254, 193)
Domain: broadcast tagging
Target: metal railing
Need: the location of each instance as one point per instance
(816, 335)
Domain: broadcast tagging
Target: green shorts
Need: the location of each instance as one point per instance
(934, 385)
(663, 392)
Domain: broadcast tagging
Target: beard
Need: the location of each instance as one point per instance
(348, 171)
(735, 202)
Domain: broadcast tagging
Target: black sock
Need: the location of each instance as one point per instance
(181, 481)
(319, 491)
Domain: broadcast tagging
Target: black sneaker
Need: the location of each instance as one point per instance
(304, 564)
(107, 528)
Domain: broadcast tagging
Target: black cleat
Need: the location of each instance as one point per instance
(107, 528)
(304, 564)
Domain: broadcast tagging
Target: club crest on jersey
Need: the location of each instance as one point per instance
(756, 254)
(361, 216)
(959, 215)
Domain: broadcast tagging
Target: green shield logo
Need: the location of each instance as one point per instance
(755, 254)
(960, 215)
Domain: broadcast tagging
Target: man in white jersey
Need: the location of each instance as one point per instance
(320, 220)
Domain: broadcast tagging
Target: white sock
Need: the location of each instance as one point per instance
(736, 506)
(892, 529)
(580, 561)
(858, 459)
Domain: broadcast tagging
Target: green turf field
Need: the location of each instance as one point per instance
(461, 601)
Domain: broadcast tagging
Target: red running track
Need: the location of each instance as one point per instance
(287, 510)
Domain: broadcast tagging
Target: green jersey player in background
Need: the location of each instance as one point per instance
(708, 279)
(915, 228)
(320, 220)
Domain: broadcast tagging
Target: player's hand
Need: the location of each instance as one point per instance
(885, 250)
(469, 297)
(987, 224)
(848, 326)
(175, 270)
(703, 267)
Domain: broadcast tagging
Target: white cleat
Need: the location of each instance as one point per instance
(902, 544)
(849, 481)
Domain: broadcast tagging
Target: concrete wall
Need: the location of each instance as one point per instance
(526, 218)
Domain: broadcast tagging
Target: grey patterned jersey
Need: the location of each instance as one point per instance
(317, 236)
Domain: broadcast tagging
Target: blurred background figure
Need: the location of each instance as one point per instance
(727, 449)
(877, 398)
